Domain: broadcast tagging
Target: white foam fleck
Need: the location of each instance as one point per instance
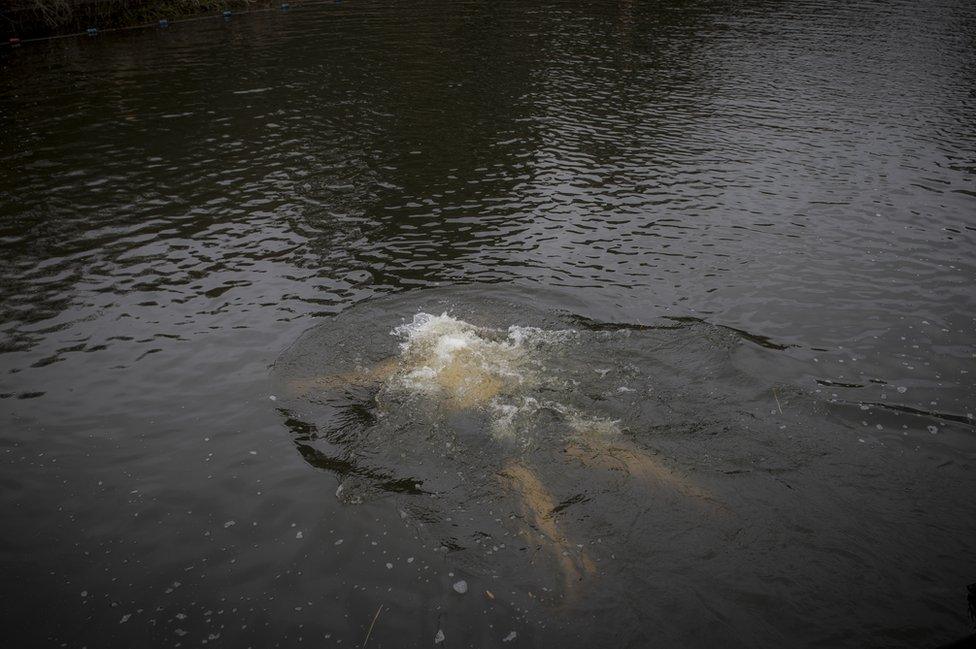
(591, 427)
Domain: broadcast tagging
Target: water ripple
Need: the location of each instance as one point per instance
(177, 205)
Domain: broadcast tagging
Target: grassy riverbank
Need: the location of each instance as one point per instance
(37, 18)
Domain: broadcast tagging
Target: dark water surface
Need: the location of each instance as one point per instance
(757, 217)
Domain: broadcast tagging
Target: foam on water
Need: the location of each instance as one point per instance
(458, 361)
(494, 370)
(511, 419)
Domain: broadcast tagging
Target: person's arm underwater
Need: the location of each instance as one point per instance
(357, 378)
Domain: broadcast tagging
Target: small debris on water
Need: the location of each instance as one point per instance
(461, 587)
(299, 534)
(511, 636)
(439, 638)
(273, 397)
(229, 524)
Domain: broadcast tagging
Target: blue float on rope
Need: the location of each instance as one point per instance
(92, 31)
(164, 23)
(227, 13)
(285, 6)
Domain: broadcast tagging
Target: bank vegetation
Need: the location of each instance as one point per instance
(37, 18)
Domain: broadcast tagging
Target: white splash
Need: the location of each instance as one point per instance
(445, 356)
(493, 369)
(510, 419)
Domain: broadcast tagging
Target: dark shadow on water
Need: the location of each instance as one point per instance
(304, 434)
(682, 321)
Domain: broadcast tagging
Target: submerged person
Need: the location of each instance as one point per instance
(458, 367)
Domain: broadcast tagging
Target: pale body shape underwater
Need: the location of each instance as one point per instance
(497, 373)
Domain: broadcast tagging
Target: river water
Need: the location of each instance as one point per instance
(717, 256)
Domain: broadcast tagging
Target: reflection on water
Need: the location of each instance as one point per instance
(755, 217)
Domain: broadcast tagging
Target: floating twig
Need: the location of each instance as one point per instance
(371, 625)
(778, 407)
